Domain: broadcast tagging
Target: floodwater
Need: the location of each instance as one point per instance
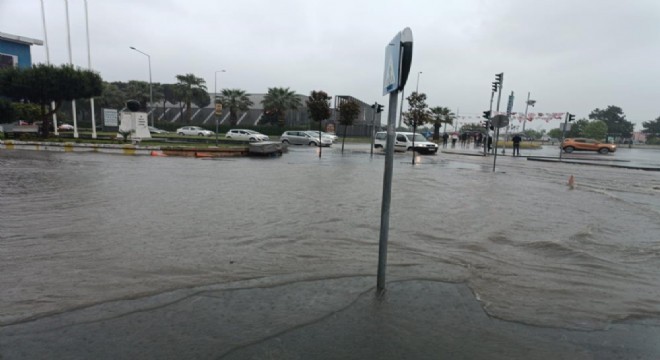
(80, 229)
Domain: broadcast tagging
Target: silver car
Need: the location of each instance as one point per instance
(245, 135)
(194, 130)
(304, 138)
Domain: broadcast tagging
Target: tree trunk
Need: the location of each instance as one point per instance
(436, 131)
(343, 139)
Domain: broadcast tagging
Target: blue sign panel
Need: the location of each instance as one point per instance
(392, 65)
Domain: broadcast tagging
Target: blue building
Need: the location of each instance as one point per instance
(15, 50)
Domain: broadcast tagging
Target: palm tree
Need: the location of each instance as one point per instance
(278, 101)
(441, 115)
(235, 100)
(138, 90)
(190, 87)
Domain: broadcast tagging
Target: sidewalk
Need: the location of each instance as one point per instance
(339, 318)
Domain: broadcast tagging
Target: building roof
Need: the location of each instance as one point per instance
(20, 39)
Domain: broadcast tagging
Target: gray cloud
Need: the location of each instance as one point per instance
(572, 55)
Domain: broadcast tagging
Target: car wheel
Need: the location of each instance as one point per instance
(182, 134)
(285, 141)
(377, 146)
(253, 139)
(603, 150)
(569, 149)
(200, 134)
(311, 143)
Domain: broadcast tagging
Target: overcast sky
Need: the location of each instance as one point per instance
(572, 55)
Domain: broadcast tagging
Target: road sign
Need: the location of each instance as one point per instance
(500, 121)
(398, 58)
(218, 109)
(110, 117)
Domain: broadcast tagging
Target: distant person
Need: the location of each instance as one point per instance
(516, 145)
(479, 139)
(490, 143)
(445, 136)
(454, 139)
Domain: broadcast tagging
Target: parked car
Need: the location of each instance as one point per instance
(246, 135)
(65, 127)
(582, 144)
(304, 138)
(403, 141)
(323, 133)
(154, 130)
(194, 130)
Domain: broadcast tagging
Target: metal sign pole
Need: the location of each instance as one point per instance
(387, 193)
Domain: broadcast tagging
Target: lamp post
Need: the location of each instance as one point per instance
(417, 87)
(151, 93)
(215, 103)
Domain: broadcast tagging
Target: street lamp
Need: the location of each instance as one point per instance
(151, 93)
(417, 87)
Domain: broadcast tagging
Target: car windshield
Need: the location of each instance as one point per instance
(418, 137)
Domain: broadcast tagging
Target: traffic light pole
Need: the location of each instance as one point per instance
(563, 135)
(490, 112)
(497, 130)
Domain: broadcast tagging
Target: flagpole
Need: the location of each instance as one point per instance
(52, 103)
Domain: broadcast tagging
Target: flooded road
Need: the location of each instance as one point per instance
(80, 229)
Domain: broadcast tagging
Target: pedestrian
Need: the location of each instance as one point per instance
(516, 145)
(454, 139)
(479, 139)
(490, 143)
(445, 136)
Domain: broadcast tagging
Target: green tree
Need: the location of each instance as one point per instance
(577, 128)
(555, 133)
(440, 115)
(138, 90)
(418, 113)
(190, 87)
(532, 134)
(111, 97)
(235, 100)
(596, 129)
(617, 125)
(277, 101)
(349, 109)
(7, 111)
(43, 84)
(318, 106)
(652, 128)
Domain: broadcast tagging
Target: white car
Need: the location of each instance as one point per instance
(304, 138)
(246, 135)
(323, 133)
(194, 130)
(403, 141)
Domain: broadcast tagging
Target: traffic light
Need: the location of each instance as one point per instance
(494, 87)
(571, 117)
(499, 78)
(486, 114)
(379, 108)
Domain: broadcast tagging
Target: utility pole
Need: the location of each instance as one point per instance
(508, 113)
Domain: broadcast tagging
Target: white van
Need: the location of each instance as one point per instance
(403, 141)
